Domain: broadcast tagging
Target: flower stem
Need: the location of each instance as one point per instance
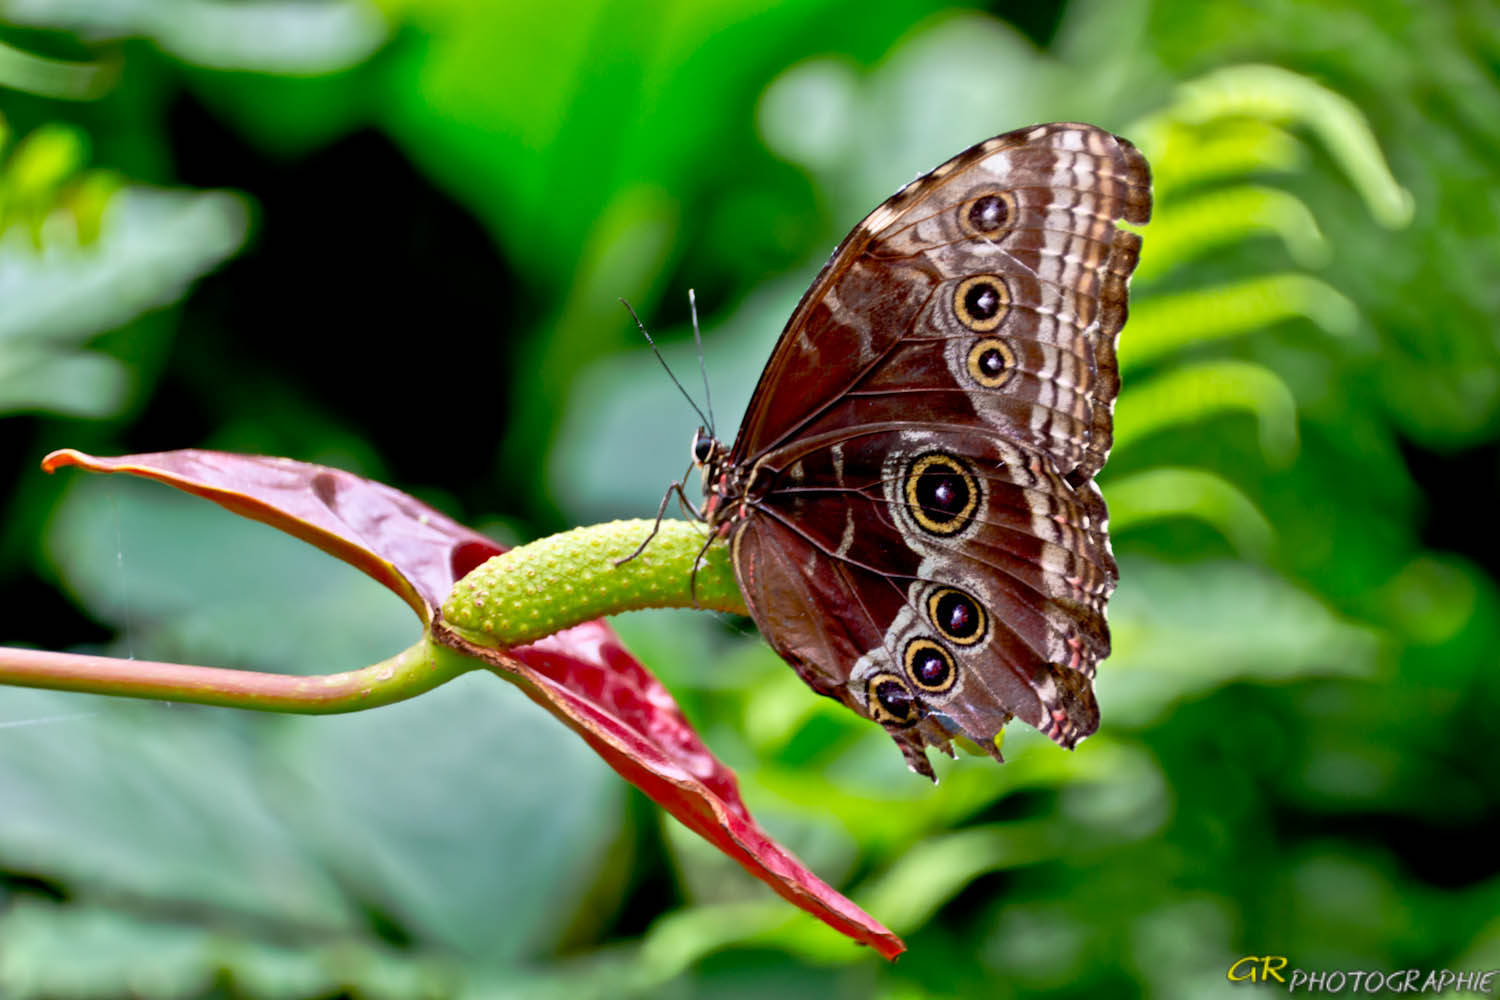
(511, 600)
(416, 669)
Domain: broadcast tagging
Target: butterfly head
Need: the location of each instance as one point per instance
(710, 457)
(705, 447)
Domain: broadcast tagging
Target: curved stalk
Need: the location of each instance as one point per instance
(418, 668)
(511, 600)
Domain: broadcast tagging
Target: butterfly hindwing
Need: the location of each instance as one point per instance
(931, 543)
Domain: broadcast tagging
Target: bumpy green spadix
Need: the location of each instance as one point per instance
(534, 590)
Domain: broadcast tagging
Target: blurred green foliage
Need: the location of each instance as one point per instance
(434, 209)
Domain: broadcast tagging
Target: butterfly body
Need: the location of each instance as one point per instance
(909, 504)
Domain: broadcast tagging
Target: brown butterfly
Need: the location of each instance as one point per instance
(910, 503)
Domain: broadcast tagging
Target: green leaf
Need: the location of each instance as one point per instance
(1169, 323)
(151, 246)
(1281, 95)
(43, 160)
(1224, 217)
(1182, 630)
(431, 812)
(188, 582)
(1184, 155)
(93, 949)
(1162, 493)
(152, 803)
(53, 78)
(1198, 392)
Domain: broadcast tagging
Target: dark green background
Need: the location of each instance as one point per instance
(435, 208)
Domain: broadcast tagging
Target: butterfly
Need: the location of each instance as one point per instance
(910, 503)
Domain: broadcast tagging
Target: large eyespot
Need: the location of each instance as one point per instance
(941, 493)
(981, 302)
(890, 701)
(929, 666)
(956, 616)
(991, 362)
(989, 215)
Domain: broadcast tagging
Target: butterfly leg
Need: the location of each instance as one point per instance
(697, 563)
(661, 511)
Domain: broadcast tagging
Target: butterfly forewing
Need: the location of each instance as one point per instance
(910, 502)
(1036, 209)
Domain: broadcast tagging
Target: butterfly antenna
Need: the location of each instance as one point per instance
(642, 327)
(708, 396)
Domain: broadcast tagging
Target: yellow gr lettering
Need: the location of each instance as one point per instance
(1258, 969)
(1235, 976)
